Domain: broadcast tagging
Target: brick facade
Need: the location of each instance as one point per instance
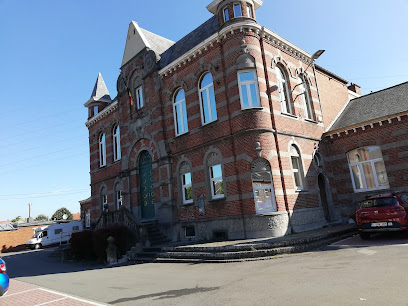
(240, 139)
(11, 241)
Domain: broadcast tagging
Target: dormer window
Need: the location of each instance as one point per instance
(237, 10)
(226, 15)
(95, 110)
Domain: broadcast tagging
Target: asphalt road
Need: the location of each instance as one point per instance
(350, 272)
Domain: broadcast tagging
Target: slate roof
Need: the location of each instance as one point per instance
(189, 41)
(100, 90)
(157, 42)
(383, 103)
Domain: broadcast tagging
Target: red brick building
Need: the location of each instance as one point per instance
(366, 148)
(214, 136)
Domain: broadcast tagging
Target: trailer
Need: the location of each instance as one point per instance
(53, 234)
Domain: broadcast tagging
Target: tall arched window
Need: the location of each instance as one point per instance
(102, 150)
(104, 199)
(367, 169)
(307, 101)
(283, 90)
(297, 167)
(248, 89)
(118, 197)
(262, 185)
(116, 143)
(207, 98)
(186, 183)
(215, 175)
(180, 113)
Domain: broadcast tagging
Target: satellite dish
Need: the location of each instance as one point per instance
(65, 217)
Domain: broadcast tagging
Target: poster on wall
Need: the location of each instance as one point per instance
(200, 203)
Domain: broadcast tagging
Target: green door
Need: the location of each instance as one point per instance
(146, 186)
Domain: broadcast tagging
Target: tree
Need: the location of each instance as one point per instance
(17, 219)
(41, 217)
(59, 214)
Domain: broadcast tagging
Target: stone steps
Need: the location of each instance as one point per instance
(244, 251)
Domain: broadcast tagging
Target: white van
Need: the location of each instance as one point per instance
(53, 234)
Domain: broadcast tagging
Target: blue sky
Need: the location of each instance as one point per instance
(52, 51)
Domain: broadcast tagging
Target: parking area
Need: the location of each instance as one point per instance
(30, 295)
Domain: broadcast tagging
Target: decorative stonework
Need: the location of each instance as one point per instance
(104, 113)
(264, 33)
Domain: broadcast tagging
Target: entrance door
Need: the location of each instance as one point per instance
(323, 196)
(146, 186)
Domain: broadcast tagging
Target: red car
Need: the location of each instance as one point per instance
(380, 213)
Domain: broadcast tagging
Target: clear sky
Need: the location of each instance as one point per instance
(52, 51)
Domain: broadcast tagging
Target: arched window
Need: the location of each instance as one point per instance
(286, 106)
(118, 197)
(116, 143)
(248, 89)
(367, 169)
(307, 102)
(215, 176)
(186, 183)
(262, 185)
(180, 113)
(102, 150)
(207, 99)
(237, 10)
(297, 167)
(104, 199)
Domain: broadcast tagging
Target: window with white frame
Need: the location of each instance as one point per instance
(262, 185)
(217, 184)
(207, 99)
(249, 10)
(248, 89)
(283, 90)
(307, 102)
(237, 10)
(180, 113)
(367, 169)
(102, 150)
(116, 143)
(226, 15)
(187, 188)
(139, 97)
(119, 201)
(88, 218)
(297, 167)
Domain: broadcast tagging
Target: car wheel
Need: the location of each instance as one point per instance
(365, 236)
(37, 246)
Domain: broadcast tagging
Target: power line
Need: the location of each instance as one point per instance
(41, 195)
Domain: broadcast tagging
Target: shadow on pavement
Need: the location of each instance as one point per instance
(166, 294)
(35, 263)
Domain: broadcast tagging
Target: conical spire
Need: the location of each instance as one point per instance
(100, 92)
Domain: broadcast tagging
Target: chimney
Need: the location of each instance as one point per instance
(355, 88)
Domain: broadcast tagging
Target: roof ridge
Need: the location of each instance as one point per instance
(384, 89)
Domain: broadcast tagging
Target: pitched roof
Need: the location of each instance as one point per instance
(100, 93)
(138, 39)
(189, 41)
(383, 103)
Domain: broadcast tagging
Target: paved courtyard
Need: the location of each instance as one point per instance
(350, 272)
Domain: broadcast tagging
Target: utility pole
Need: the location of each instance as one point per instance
(29, 219)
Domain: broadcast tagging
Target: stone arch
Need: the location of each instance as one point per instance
(245, 61)
(279, 61)
(199, 73)
(143, 144)
(173, 88)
